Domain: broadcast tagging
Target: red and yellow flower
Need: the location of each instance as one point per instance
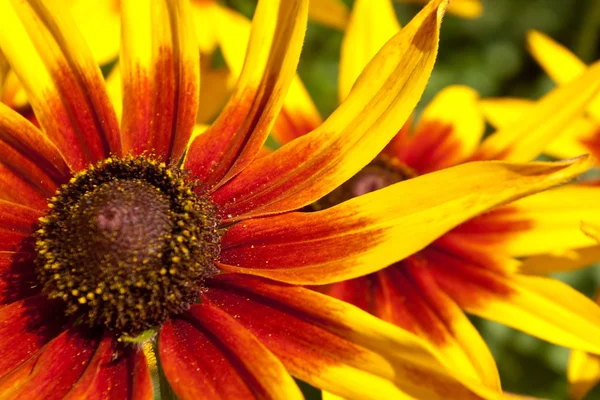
(120, 232)
(473, 267)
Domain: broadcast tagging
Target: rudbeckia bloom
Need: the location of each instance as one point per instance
(113, 235)
(473, 267)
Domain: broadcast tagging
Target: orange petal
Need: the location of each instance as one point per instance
(207, 354)
(63, 83)
(160, 69)
(18, 278)
(231, 143)
(52, 372)
(313, 165)
(332, 13)
(529, 135)
(114, 373)
(372, 231)
(335, 346)
(32, 168)
(25, 327)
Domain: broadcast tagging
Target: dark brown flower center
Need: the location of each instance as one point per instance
(380, 173)
(126, 244)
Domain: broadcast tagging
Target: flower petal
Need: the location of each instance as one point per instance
(449, 131)
(572, 141)
(114, 373)
(17, 223)
(18, 279)
(26, 326)
(298, 115)
(412, 299)
(526, 138)
(540, 306)
(32, 168)
(553, 221)
(583, 373)
(51, 373)
(462, 8)
(63, 83)
(371, 25)
(208, 354)
(568, 261)
(381, 101)
(332, 13)
(160, 70)
(100, 25)
(335, 346)
(372, 231)
(240, 131)
(559, 62)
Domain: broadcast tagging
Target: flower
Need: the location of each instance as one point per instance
(580, 135)
(473, 267)
(144, 236)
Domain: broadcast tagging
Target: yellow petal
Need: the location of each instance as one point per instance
(552, 221)
(457, 106)
(559, 62)
(528, 136)
(560, 262)
(332, 13)
(115, 90)
(235, 138)
(583, 373)
(570, 142)
(160, 70)
(63, 83)
(338, 347)
(372, 24)
(100, 25)
(215, 88)
(540, 306)
(461, 8)
(381, 101)
(298, 115)
(373, 231)
(206, 22)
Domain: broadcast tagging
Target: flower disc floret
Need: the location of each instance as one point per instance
(127, 243)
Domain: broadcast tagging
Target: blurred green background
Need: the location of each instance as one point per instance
(488, 54)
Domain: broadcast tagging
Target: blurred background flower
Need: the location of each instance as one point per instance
(488, 53)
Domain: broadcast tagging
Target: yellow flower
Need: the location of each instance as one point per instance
(473, 267)
(116, 233)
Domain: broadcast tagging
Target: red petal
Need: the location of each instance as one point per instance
(52, 373)
(25, 326)
(31, 168)
(115, 373)
(18, 279)
(209, 355)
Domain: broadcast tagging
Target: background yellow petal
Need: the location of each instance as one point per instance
(462, 8)
(372, 24)
(540, 306)
(583, 373)
(560, 262)
(527, 137)
(553, 221)
(298, 115)
(100, 25)
(503, 112)
(206, 22)
(559, 62)
(332, 13)
(63, 82)
(457, 106)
